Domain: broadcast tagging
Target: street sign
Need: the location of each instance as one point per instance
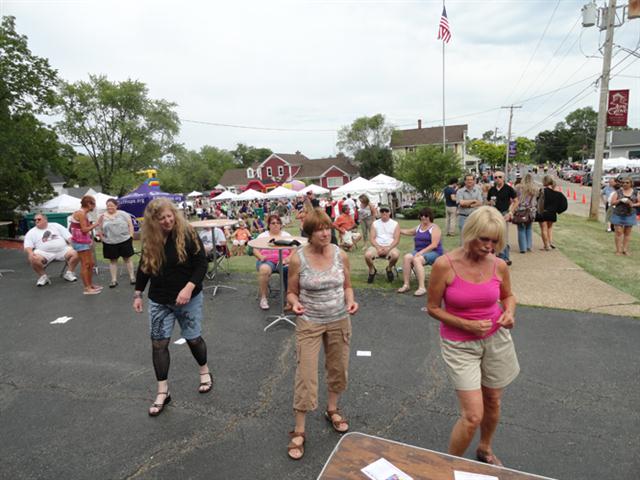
(512, 149)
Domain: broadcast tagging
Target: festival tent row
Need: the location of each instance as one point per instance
(67, 204)
(619, 163)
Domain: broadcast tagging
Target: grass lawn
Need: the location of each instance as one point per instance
(584, 242)
(588, 244)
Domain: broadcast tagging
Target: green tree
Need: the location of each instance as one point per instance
(551, 145)
(28, 148)
(364, 132)
(374, 160)
(488, 152)
(582, 125)
(247, 155)
(428, 169)
(524, 149)
(189, 170)
(118, 125)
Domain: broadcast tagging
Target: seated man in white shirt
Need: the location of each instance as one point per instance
(46, 243)
(207, 237)
(384, 237)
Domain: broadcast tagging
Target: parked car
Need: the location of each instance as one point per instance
(635, 177)
(577, 176)
(587, 179)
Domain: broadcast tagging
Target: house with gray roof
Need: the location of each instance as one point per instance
(625, 143)
(408, 140)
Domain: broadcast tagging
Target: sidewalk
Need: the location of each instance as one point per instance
(550, 279)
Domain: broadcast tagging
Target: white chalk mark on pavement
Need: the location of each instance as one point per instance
(59, 320)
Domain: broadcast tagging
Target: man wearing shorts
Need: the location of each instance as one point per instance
(385, 237)
(46, 243)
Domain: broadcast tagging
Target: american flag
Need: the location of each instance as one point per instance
(443, 31)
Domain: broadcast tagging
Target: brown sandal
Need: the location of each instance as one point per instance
(488, 457)
(294, 446)
(328, 414)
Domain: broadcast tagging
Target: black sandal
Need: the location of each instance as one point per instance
(160, 406)
(208, 385)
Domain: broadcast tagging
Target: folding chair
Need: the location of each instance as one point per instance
(219, 258)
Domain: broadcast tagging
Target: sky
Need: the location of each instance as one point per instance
(291, 73)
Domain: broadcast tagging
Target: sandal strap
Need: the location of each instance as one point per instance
(294, 434)
(336, 423)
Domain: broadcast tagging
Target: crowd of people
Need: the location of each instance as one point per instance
(469, 290)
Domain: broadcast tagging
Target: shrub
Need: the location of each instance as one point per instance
(412, 213)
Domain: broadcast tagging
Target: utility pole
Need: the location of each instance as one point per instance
(506, 162)
(602, 112)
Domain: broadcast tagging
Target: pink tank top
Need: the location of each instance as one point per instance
(471, 301)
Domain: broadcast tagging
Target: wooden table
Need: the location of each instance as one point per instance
(355, 451)
(262, 243)
(215, 223)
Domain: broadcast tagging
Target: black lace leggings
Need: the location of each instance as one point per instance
(162, 359)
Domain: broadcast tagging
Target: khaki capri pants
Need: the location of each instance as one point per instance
(491, 362)
(335, 337)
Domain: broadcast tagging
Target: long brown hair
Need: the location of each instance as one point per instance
(153, 239)
(527, 187)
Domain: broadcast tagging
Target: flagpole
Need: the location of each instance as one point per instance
(444, 135)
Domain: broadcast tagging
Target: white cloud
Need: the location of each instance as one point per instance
(319, 65)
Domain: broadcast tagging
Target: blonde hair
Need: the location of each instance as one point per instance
(548, 181)
(527, 187)
(153, 238)
(485, 222)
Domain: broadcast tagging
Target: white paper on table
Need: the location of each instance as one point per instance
(180, 341)
(59, 320)
(458, 475)
(382, 469)
(363, 353)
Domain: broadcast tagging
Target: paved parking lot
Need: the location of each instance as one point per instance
(73, 396)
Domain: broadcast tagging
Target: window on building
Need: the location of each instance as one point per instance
(334, 182)
(249, 172)
(269, 172)
(634, 154)
(280, 170)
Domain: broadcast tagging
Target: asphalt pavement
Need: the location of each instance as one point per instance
(74, 395)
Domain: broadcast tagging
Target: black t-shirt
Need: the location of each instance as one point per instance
(174, 276)
(503, 197)
(448, 191)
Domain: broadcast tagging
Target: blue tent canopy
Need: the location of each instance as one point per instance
(135, 202)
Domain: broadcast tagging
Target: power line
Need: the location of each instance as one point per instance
(270, 129)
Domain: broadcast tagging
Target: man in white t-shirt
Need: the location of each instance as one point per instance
(207, 237)
(384, 237)
(46, 243)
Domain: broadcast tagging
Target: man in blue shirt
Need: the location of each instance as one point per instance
(451, 206)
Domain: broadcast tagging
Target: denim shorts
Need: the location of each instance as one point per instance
(623, 220)
(429, 257)
(81, 247)
(163, 317)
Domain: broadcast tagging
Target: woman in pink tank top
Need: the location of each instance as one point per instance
(470, 294)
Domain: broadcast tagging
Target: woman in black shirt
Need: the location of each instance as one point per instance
(174, 260)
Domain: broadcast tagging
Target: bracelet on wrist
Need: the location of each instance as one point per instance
(137, 295)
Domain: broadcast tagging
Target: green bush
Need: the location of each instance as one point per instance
(412, 213)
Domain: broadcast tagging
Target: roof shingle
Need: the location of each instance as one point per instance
(427, 136)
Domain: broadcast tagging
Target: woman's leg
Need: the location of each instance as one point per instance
(85, 268)
(161, 361)
(625, 240)
(544, 233)
(300, 418)
(264, 273)
(418, 266)
(522, 237)
(129, 263)
(113, 270)
(491, 398)
(336, 348)
(618, 238)
(529, 236)
(406, 269)
(471, 413)
(550, 233)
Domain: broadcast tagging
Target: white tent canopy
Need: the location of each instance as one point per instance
(281, 192)
(317, 190)
(357, 187)
(226, 195)
(391, 184)
(250, 194)
(620, 162)
(101, 201)
(195, 193)
(62, 203)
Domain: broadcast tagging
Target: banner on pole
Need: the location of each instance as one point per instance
(617, 108)
(633, 10)
(512, 149)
